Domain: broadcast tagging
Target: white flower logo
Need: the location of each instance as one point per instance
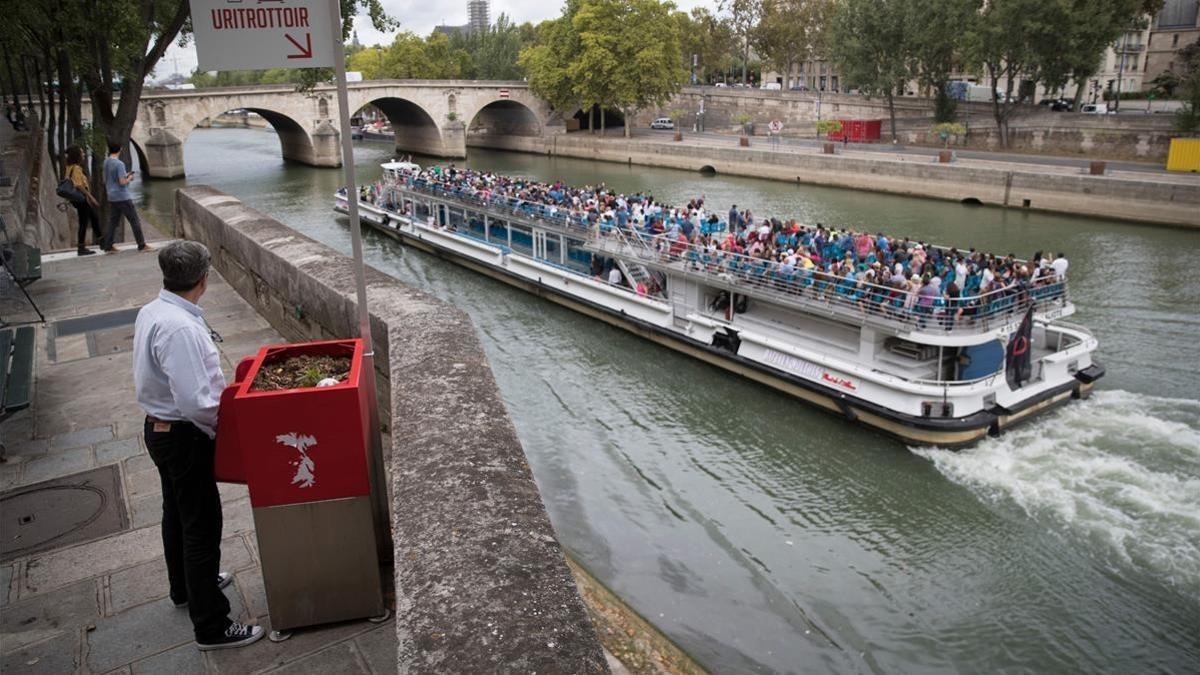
(305, 467)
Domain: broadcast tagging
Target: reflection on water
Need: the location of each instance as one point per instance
(766, 536)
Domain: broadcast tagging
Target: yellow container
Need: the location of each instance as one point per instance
(1184, 155)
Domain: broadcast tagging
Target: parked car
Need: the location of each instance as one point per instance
(798, 87)
(1056, 104)
(720, 84)
(663, 123)
(1094, 109)
(772, 86)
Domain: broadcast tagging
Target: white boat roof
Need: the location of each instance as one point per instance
(400, 166)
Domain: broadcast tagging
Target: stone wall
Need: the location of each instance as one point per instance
(481, 582)
(1032, 129)
(28, 204)
(1148, 199)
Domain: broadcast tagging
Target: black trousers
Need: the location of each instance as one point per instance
(191, 525)
(88, 217)
(115, 211)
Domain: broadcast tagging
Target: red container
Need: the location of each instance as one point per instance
(858, 131)
(297, 445)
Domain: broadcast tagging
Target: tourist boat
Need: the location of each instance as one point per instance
(917, 376)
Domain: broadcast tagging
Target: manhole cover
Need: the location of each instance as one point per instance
(63, 511)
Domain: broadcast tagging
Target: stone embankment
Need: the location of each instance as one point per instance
(1144, 197)
(481, 581)
(1032, 129)
(27, 201)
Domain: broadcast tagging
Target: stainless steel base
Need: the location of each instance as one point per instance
(319, 562)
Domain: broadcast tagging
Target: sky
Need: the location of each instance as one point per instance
(418, 16)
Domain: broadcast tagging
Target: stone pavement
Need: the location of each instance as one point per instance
(101, 606)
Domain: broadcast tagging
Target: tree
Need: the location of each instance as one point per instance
(789, 30)
(368, 61)
(546, 62)
(708, 37)
(869, 45)
(1187, 118)
(934, 30)
(1005, 38)
(630, 57)
(1085, 29)
(744, 16)
(110, 47)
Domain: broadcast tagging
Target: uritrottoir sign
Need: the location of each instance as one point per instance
(260, 34)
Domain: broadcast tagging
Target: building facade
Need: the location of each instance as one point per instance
(1175, 27)
(477, 15)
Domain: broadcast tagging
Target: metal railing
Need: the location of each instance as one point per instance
(812, 290)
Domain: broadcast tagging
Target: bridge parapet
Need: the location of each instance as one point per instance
(430, 117)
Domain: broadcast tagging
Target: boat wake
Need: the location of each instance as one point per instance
(1120, 471)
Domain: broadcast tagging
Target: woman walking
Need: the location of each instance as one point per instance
(87, 208)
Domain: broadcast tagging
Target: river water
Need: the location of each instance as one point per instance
(765, 536)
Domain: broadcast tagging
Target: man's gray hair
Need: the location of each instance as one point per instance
(184, 264)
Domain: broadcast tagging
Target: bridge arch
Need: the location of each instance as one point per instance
(502, 118)
(295, 142)
(415, 128)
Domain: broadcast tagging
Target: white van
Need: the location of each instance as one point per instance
(772, 86)
(663, 123)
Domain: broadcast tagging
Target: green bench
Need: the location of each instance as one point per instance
(25, 263)
(16, 372)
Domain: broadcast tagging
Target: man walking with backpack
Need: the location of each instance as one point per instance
(120, 203)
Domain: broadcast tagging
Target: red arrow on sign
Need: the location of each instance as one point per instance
(305, 49)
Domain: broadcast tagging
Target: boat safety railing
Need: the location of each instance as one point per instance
(813, 290)
(844, 295)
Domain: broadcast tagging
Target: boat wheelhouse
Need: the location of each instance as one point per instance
(921, 373)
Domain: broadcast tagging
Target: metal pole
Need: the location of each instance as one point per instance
(379, 495)
(1120, 70)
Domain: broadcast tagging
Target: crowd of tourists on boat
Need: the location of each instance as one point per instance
(872, 272)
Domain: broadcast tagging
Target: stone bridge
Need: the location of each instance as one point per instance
(430, 117)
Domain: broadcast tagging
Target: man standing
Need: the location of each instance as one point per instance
(177, 373)
(120, 203)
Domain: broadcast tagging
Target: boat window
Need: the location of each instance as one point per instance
(498, 232)
(554, 248)
(578, 258)
(475, 224)
(522, 240)
(976, 361)
(456, 217)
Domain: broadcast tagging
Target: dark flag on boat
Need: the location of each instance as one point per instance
(1019, 366)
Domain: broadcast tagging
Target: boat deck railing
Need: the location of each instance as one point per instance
(811, 290)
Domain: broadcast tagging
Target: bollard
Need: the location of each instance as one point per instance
(1097, 168)
(744, 141)
(828, 148)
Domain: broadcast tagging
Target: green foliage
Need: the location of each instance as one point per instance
(242, 78)
(621, 54)
(869, 41)
(310, 377)
(493, 54)
(945, 130)
(827, 126)
(1165, 84)
(709, 38)
(743, 18)
(1187, 119)
(934, 34)
(789, 30)
(546, 62)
